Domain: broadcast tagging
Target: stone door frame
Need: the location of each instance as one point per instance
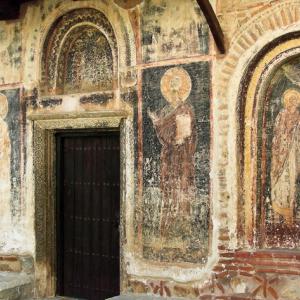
(44, 128)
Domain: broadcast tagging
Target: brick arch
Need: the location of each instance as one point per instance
(117, 17)
(252, 100)
(277, 17)
(275, 21)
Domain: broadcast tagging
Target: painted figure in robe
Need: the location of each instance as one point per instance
(285, 168)
(175, 129)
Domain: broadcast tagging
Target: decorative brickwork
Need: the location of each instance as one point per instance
(272, 21)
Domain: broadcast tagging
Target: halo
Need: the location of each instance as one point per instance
(3, 106)
(291, 95)
(176, 84)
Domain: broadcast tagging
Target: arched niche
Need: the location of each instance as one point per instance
(80, 54)
(270, 203)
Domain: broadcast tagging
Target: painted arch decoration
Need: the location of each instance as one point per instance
(75, 41)
(270, 110)
(281, 149)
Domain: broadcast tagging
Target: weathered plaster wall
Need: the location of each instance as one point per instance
(164, 39)
(180, 97)
(10, 53)
(15, 228)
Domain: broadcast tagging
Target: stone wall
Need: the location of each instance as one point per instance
(207, 209)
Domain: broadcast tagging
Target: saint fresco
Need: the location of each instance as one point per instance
(285, 167)
(279, 143)
(176, 131)
(176, 155)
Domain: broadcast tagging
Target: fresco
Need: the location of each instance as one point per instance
(175, 129)
(77, 69)
(81, 58)
(12, 120)
(10, 52)
(279, 143)
(172, 29)
(176, 154)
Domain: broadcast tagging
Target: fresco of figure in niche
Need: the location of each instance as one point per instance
(176, 150)
(172, 29)
(280, 145)
(175, 129)
(285, 157)
(86, 62)
(4, 163)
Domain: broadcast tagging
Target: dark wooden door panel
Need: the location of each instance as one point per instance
(88, 213)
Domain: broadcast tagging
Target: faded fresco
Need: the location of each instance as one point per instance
(78, 59)
(86, 62)
(281, 147)
(176, 150)
(172, 29)
(10, 53)
(10, 166)
(13, 121)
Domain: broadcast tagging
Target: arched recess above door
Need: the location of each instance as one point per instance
(80, 54)
(268, 133)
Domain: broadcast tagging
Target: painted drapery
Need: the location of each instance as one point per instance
(279, 149)
(174, 198)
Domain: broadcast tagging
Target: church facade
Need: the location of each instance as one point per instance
(133, 145)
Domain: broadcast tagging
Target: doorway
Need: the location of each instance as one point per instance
(88, 214)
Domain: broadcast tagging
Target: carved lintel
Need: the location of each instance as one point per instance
(75, 115)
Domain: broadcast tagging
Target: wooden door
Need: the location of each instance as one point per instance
(88, 213)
